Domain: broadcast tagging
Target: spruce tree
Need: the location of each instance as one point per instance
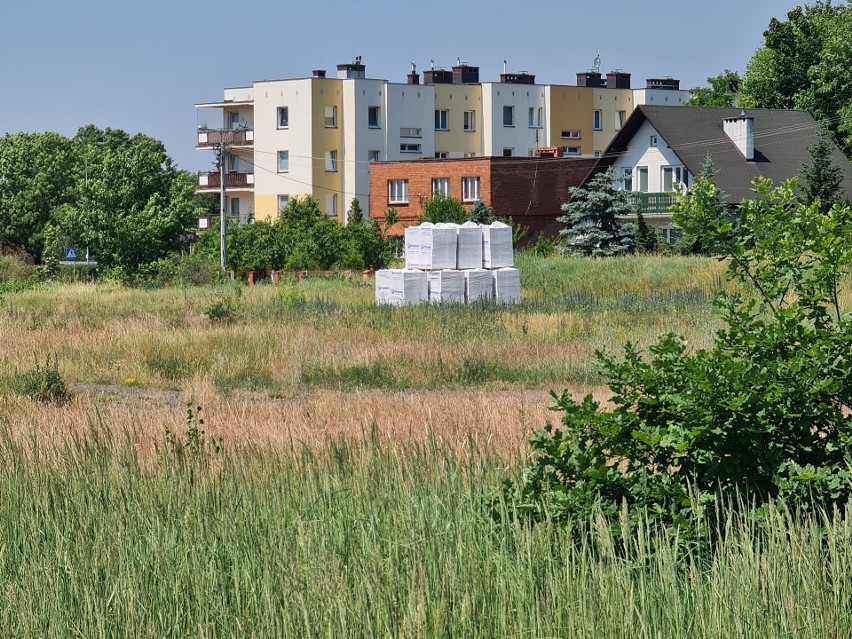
(821, 178)
(594, 220)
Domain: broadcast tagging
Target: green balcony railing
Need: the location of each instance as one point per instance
(653, 203)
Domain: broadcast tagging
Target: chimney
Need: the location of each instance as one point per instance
(437, 76)
(318, 73)
(741, 132)
(413, 77)
(351, 70)
(617, 80)
(589, 79)
(465, 74)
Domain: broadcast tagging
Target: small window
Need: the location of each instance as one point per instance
(331, 161)
(653, 140)
(508, 116)
(331, 204)
(233, 163)
(596, 120)
(642, 179)
(235, 207)
(374, 156)
(624, 179)
(442, 155)
(234, 119)
(397, 191)
(570, 135)
(535, 116)
(331, 117)
(283, 201)
(283, 161)
(409, 132)
(470, 189)
(572, 150)
(442, 120)
(373, 117)
(283, 117)
(507, 152)
(441, 185)
(597, 154)
(409, 148)
(620, 116)
(470, 120)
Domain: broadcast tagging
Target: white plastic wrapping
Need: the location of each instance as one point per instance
(446, 286)
(507, 285)
(469, 253)
(497, 245)
(479, 285)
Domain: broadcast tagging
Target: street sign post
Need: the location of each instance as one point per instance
(71, 254)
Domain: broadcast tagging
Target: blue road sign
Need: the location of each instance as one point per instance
(71, 254)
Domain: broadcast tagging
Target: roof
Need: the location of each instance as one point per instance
(781, 141)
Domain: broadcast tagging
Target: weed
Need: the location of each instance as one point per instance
(226, 308)
(43, 383)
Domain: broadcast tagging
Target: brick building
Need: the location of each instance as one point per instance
(529, 190)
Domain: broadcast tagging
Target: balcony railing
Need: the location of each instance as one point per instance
(232, 180)
(230, 137)
(653, 203)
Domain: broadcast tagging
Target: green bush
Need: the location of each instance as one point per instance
(225, 309)
(764, 413)
(42, 383)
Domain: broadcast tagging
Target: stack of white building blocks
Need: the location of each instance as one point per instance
(452, 263)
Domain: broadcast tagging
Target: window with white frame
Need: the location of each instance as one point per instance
(235, 207)
(442, 155)
(470, 120)
(331, 161)
(409, 148)
(620, 116)
(374, 155)
(442, 120)
(653, 140)
(283, 161)
(331, 204)
(410, 132)
(397, 191)
(331, 117)
(508, 116)
(441, 185)
(469, 154)
(374, 117)
(624, 179)
(570, 135)
(283, 201)
(673, 175)
(234, 119)
(470, 189)
(642, 179)
(508, 152)
(572, 150)
(233, 163)
(535, 117)
(596, 120)
(283, 117)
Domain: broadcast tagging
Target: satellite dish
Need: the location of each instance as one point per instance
(243, 122)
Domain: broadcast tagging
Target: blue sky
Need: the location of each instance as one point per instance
(142, 66)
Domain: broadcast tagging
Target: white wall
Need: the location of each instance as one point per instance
(640, 153)
(410, 106)
(359, 138)
(660, 97)
(520, 137)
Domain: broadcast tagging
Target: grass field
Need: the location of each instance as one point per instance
(362, 449)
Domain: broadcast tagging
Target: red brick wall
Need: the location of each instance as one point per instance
(529, 190)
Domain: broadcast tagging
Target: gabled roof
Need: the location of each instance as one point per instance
(781, 141)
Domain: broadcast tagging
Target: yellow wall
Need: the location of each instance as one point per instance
(327, 92)
(610, 101)
(458, 98)
(570, 109)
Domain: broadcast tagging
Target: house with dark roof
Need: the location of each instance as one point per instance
(661, 147)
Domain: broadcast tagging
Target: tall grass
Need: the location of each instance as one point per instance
(357, 539)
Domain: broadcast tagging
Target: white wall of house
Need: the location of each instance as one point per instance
(410, 107)
(643, 153)
(660, 97)
(359, 138)
(520, 137)
(295, 138)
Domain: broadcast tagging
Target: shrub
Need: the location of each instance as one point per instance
(42, 383)
(225, 309)
(764, 413)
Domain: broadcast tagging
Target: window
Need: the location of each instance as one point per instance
(653, 140)
(572, 150)
(235, 207)
(681, 175)
(283, 117)
(624, 179)
(673, 175)
(442, 155)
(331, 117)
(409, 148)
(373, 119)
(535, 117)
(283, 161)
(508, 116)
(642, 178)
(233, 163)
(570, 135)
(234, 119)
(397, 191)
(331, 160)
(596, 120)
(331, 204)
(374, 156)
(597, 154)
(470, 120)
(283, 200)
(441, 185)
(507, 152)
(470, 189)
(408, 132)
(620, 116)
(469, 155)
(442, 120)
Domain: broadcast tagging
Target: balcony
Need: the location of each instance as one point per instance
(233, 180)
(209, 138)
(653, 203)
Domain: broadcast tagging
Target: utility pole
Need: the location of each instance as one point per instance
(223, 245)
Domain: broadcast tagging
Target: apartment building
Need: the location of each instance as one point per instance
(319, 135)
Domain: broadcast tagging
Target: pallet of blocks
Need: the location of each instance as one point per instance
(446, 286)
(430, 246)
(401, 287)
(507, 285)
(478, 285)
